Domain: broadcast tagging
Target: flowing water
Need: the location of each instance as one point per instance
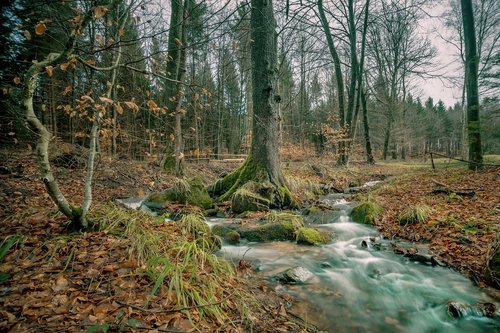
(358, 289)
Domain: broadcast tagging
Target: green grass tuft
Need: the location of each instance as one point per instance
(414, 214)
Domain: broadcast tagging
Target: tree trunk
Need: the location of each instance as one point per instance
(471, 73)
(263, 163)
(368, 144)
(173, 56)
(338, 76)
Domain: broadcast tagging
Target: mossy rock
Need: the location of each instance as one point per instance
(245, 200)
(280, 227)
(414, 214)
(366, 213)
(310, 236)
(321, 215)
(232, 237)
(156, 200)
(494, 265)
(228, 234)
(191, 192)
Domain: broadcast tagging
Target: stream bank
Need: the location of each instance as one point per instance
(358, 284)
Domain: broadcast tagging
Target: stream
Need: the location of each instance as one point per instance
(365, 289)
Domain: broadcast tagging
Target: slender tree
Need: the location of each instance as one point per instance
(471, 68)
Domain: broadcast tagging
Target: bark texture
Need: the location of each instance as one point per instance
(471, 74)
(263, 163)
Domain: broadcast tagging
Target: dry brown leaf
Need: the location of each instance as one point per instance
(61, 284)
(106, 100)
(27, 34)
(17, 80)
(64, 66)
(49, 70)
(40, 28)
(100, 11)
(118, 108)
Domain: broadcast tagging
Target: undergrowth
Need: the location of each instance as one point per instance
(204, 285)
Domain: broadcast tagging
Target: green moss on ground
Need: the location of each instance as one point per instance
(280, 226)
(366, 213)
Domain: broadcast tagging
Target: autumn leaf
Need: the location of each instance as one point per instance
(87, 98)
(17, 80)
(132, 106)
(118, 108)
(178, 41)
(64, 66)
(172, 137)
(152, 105)
(67, 90)
(40, 28)
(121, 32)
(106, 100)
(100, 11)
(27, 34)
(49, 70)
(44, 107)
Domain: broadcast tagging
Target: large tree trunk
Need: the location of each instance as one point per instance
(263, 163)
(471, 69)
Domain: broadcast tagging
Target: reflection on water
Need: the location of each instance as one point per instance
(359, 289)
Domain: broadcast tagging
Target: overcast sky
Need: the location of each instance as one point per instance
(447, 59)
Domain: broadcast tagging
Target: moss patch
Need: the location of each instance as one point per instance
(228, 234)
(310, 236)
(494, 266)
(367, 212)
(280, 226)
(245, 200)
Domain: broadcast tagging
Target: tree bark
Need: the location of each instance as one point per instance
(167, 161)
(263, 163)
(368, 144)
(471, 74)
(338, 76)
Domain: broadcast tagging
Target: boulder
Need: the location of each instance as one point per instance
(494, 266)
(366, 213)
(320, 214)
(156, 200)
(228, 234)
(480, 309)
(278, 227)
(310, 236)
(190, 191)
(295, 275)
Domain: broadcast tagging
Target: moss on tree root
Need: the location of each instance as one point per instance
(250, 172)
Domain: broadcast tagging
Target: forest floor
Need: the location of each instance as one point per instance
(54, 281)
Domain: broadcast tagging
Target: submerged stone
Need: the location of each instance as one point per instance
(295, 275)
(480, 309)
